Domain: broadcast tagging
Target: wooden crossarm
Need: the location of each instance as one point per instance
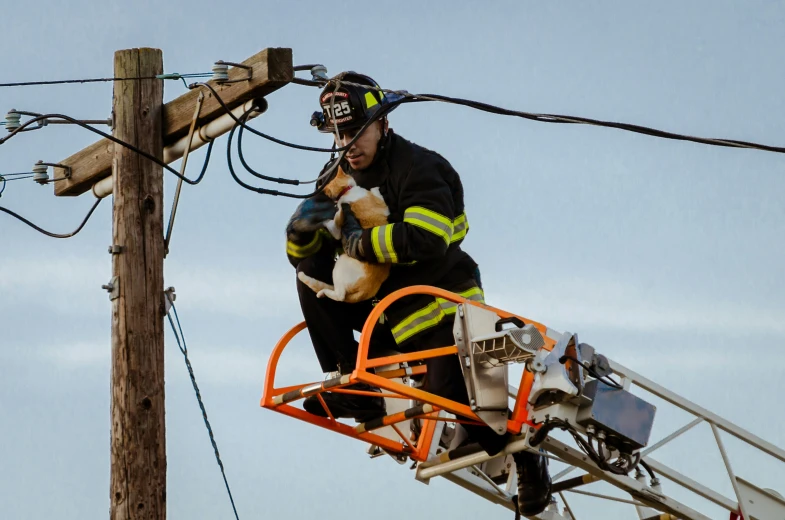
(272, 69)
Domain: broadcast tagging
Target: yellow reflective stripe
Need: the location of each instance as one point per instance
(375, 242)
(431, 315)
(460, 228)
(388, 241)
(308, 249)
(370, 100)
(430, 221)
(424, 318)
(475, 294)
(382, 241)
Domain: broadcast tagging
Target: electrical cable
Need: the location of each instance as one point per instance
(245, 164)
(241, 121)
(184, 350)
(648, 469)
(327, 175)
(605, 379)
(405, 97)
(111, 138)
(260, 134)
(100, 80)
(556, 118)
(622, 466)
(6, 175)
(386, 109)
(48, 233)
(306, 82)
(204, 166)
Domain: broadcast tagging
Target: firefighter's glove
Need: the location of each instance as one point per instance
(351, 233)
(310, 216)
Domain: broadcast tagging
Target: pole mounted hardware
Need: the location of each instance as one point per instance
(169, 297)
(13, 120)
(113, 288)
(41, 175)
(221, 72)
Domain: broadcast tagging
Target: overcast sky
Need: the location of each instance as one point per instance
(665, 255)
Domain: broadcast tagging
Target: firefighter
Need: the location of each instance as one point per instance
(422, 241)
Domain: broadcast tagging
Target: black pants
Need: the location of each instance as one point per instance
(331, 325)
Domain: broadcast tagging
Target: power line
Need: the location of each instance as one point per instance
(49, 233)
(174, 75)
(401, 98)
(109, 137)
(326, 174)
(17, 178)
(406, 97)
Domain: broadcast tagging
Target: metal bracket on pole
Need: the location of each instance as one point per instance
(113, 288)
(170, 297)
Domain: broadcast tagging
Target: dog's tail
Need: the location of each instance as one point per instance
(321, 289)
(313, 283)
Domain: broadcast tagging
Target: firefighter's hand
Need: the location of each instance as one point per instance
(310, 216)
(351, 233)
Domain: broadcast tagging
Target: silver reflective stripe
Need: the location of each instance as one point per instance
(381, 239)
(460, 228)
(475, 294)
(423, 319)
(432, 314)
(430, 221)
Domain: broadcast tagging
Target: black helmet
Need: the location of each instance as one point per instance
(354, 106)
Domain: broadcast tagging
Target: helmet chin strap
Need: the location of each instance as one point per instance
(379, 145)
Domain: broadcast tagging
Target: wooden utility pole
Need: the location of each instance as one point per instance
(138, 460)
(138, 445)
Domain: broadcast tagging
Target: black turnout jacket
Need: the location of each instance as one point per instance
(422, 240)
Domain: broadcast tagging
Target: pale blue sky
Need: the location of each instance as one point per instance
(667, 256)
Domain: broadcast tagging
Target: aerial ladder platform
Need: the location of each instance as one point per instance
(572, 404)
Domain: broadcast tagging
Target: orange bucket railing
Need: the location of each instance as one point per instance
(429, 406)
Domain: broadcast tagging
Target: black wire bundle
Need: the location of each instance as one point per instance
(403, 97)
(114, 140)
(604, 378)
(111, 138)
(622, 465)
(49, 233)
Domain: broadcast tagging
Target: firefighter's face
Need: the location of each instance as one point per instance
(361, 154)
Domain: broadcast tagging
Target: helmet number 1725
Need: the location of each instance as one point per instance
(341, 109)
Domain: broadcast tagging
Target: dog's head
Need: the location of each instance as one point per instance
(340, 184)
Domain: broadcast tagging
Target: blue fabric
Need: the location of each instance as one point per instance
(309, 217)
(351, 233)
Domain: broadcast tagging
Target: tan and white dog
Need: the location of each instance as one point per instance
(353, 280)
